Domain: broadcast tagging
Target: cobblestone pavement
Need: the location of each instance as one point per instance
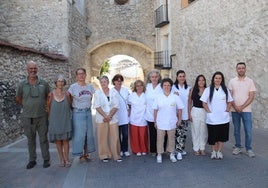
(139, 172)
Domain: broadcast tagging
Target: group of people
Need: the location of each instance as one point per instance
(154, 117)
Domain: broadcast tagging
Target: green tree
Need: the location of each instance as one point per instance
(105, 68)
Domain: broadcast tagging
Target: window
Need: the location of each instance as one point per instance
(120, 2)
(185, 3)
(161, 16)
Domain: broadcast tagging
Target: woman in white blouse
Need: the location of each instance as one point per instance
(182, 89)
(167, 116)
(123, 113)
(138, 124)
(106, 105)
(217, 102)
(153, 88)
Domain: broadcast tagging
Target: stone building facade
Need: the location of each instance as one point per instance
(210, 36)
(125, 29)
(61, 35)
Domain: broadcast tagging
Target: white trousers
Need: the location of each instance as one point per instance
(199, 128)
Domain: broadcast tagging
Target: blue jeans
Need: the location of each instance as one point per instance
(123, 137)
(82, 127)
(247, 122)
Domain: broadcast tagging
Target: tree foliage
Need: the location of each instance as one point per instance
(105, 68)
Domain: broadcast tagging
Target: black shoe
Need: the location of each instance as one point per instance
(46, 164)
(31, 164)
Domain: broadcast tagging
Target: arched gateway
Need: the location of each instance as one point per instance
(96, 56)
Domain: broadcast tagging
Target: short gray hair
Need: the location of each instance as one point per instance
(104, 77)
(154, 71)
(60, 77)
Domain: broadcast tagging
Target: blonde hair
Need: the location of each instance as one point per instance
(136, 83)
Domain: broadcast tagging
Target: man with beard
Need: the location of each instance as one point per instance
(243, 90)
(32, 95)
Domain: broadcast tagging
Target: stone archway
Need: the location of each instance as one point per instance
(96, 55)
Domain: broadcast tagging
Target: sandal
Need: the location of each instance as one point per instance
(196, 153)
(82, 158)
(68, 164)
(62, 164)
(87, 158)
(202, 152)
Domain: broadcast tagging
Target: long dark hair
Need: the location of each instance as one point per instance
(196, 88)
(212, 86)
(177, 82)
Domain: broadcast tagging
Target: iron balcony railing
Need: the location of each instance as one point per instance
(162, 60)
(161, 16)
(190, 1)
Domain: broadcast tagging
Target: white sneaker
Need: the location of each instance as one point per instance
(219, 155)
(236, 151)
(183, 152)
(250, 153)
(143, 153)
(121, 153)
(213, 155)
(159, 158)
(119, 160)
(179, 156)
(172, 158)
(106, 160)
(127, 154)
(138, 154)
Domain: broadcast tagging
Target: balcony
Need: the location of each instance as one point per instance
(161, 16)
(162, 60)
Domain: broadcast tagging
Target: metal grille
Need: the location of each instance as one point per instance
(161, 16)
(162, 60)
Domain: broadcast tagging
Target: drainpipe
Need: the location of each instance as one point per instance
(172, 55)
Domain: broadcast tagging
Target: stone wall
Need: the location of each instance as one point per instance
(61, 50)
(13, 69)
(127, 29)
(208, 36)
(133, 21)
(41, 25)
(78, 40)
